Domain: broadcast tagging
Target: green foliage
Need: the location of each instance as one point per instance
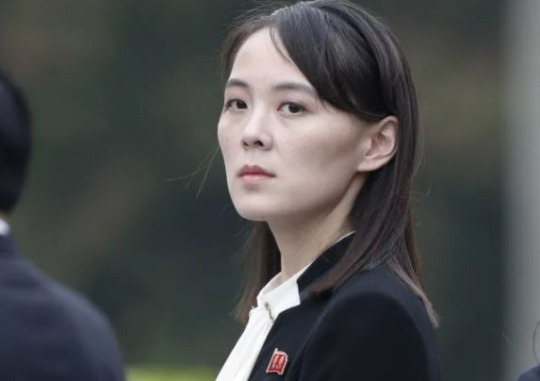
(168, 374)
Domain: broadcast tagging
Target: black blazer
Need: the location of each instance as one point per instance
(47, 332)
(373, 328)
(531, 375)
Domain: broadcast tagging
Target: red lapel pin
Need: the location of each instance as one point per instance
(278, 362)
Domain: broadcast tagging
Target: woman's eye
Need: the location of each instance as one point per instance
(235, 105)
(292, 108)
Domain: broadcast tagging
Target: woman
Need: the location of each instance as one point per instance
(319, 137)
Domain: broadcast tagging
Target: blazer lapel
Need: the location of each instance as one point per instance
(322, 265)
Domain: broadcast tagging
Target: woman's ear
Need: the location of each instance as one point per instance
(380, 144)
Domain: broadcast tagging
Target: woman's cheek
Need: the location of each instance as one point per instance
(224, 142)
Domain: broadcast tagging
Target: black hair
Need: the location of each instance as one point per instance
(15, 143)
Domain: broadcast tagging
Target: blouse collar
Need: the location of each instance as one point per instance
(277, 296)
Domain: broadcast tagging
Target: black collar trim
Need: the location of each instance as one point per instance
(323, 263)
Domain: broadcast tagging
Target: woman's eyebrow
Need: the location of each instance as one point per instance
(233, 82)
(296, 86)
(284, 86)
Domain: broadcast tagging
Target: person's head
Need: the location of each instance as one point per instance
(15, 143)
(320, 96)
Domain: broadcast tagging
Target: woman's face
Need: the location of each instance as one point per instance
(287, 154)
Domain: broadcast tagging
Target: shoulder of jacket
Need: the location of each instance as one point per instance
(381, 281)
(532, 374)
(78, 309)
(380, 288)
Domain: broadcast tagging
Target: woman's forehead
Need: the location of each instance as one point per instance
(259, 59)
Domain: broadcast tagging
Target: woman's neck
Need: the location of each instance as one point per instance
(302, 242)
(303, 238)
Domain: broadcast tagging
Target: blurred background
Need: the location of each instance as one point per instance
(126, 96)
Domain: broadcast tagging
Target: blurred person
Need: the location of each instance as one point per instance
(319, 135)
(47, 332)
(532, 374)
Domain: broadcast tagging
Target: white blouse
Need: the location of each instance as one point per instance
(273, 299)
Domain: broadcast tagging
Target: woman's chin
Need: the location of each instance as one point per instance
(255, 214)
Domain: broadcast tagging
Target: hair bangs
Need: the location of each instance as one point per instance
(333, 57)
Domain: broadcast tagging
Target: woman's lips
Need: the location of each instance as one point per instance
(254, 171)
(253, 175)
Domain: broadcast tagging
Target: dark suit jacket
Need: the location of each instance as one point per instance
(373, 328)
(47, 332)
(531, 375)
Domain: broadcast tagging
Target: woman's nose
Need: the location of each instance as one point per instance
(256, 133)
